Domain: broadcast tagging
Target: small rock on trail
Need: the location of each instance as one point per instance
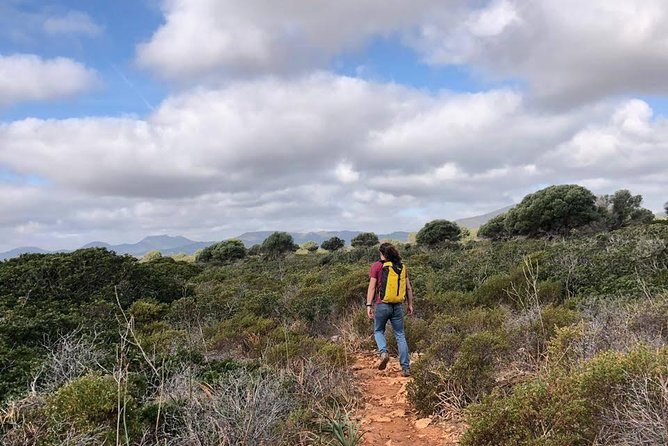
(386, 417)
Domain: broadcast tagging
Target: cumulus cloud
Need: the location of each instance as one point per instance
(270, 134)
(255, 36)
(568, 51)
(27, 77)
(630, 145)
(73, 22)
(317, 152)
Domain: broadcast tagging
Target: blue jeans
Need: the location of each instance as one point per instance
(395, 314)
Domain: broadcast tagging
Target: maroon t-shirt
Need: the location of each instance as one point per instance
(377, 271)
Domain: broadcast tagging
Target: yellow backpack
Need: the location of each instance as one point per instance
(392, 286)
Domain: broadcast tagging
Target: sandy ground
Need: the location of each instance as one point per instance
(387, 418)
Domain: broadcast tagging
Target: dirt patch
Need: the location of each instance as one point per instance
(386, 417)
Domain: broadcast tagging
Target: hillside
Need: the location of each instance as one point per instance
(23, 250)
(171, 245)
(270, 344)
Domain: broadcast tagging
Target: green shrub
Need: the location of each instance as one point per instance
(348, 288)
(494, 229)
(362, 325)
(364, 240)
(565, 407)
(160, 338)
(494, 290)
(537, 414)
(88, 404)
(554, 317)
(278, 244)
(145, 311)
(222, 253)
(470, 321)
(447, 332)
(263, 303)
(430, 306)
(476, 363)
(311, 306)
(427, 383)
(437, 232)
(458, 368)
(287, 346)
(310, 246)
(243, 332)
(565, 350)
(553, 210)
(335, 354)
(333, 244)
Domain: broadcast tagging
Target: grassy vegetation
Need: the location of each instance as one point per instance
(533, 341)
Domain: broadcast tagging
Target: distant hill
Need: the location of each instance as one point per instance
(23, 250)
(96, 245)
(170, 245)
(479, 220)
(257, 237)
(166, 244)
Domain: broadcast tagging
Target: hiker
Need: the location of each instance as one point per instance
(389, 287)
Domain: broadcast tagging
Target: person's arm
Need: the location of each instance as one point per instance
(370, 294)
(409, 293)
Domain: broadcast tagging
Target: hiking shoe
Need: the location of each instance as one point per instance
(384, 358)
(406, 372)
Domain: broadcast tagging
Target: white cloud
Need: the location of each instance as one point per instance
(27, 77)
(632, 145)
(73, 22)
(568, 51)
(205, 37)
(320, 151)
(493, 20)
(346, 174)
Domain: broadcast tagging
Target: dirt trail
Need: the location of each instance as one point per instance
(386, 416)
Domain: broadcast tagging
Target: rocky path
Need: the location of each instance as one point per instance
(387, 418)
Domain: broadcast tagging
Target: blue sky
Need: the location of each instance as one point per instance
(127, 89)
(210, 118)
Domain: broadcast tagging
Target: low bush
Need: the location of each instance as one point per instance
(566, 407)
(246, 334)
(287, 347)
(430, 306)
(90, 405)
(457, 372)
(476, 363)
(311, 305)
(429, 380)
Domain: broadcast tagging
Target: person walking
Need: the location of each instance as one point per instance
(389, 287)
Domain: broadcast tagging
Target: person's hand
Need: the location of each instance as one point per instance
(369, 312)
(410, 309)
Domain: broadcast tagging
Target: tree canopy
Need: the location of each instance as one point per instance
(223, 252)
(333, 244)
(278, 244)
(623, 209)
(364, 239)
(494, 229)
(310, 246)
(437, 232)
(553, 210)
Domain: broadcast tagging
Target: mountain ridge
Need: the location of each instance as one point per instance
(171, 245)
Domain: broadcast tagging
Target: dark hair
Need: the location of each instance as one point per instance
(390, 252)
